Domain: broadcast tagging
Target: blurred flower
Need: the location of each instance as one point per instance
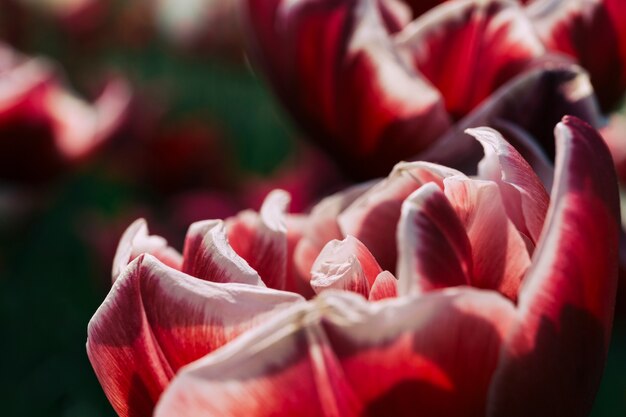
(44, 128)
(534, 285)
(374, 87)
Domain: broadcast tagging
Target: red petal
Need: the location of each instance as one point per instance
(346, 265)
(499, 254)
(566, 303)
(208, 256)
(385, 286)
(492, 41)
(434, 250)
(576, 28)
(157, 319)
(525, 199)
(373, 217)
(136, 241)
(261, 239)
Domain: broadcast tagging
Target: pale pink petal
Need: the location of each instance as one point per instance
(373, 217)
(499, 253)
(525, 199)
(434, 250)
(261, 238)
(492, 41)
(135, 241)
(385, 286)
(566, 303)
(157, 319)
(614, 134)
(209, 256)
(346, 265)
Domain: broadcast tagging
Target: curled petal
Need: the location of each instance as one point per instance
(373, 217)
(135, 241)
(492, 41)
(434, 250)
(345, 264)
(525, 199)
(261, 239)
(385, 286)
(157, 319)
(500, 256)
(208, 255)
(566, 303)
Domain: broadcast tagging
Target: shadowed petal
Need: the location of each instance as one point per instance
(157, 319)
(566, 303)
(209, 256)
(136, 241)
(373, 217)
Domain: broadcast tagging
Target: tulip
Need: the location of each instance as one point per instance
(495, 286)
(373, 87)
(44, 128)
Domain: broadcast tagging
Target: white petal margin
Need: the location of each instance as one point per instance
(137, 240)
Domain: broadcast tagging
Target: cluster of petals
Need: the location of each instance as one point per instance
(45, 125)
(378, 81)
(428, 292)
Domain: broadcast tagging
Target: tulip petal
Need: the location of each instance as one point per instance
(566, 303)
(373, 217)
(492, 41)
(345, 264)
(135, 241)
(208, 255)
(385, 286)
(500, 257)
(525, 199)
(157, 319)
(261, 238)
(433, 353)
(576, 28)
(433, 248)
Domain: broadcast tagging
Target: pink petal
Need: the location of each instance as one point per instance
(136, 241)
(499, 253)
(433, 248)
(614, 135)
(525, 199)
(576, 28)
(209, 256)
(261, 238)
(157, 319)
(435, 354)
(566, 304)
(285, 368)
(492, 41)
(346, 265)
(373, 217)
(385, 286)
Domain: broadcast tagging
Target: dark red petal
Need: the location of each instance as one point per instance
(373, 217)
(209, 256)
(468, 49)
(135, 241)
(385, 286)
(157, 319)
(566, 303)
(261, 238)
(346, 265)
(525, 198)
(576, 28)
(433, 248)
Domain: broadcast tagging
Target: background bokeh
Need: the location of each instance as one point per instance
(203, 138)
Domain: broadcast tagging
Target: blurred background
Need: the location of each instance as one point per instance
(181, 130)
